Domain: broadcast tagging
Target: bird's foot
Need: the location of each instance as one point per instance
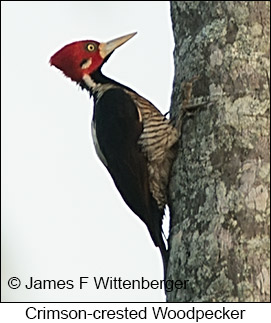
(190, 103)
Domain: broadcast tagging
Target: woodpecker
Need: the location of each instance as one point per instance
(132, 138)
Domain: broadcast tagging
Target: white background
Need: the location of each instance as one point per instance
(62, 216)
(258, 312)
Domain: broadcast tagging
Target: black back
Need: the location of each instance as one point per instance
(118, 129)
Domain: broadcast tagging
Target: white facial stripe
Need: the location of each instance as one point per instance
(87, 64)
(89, 82)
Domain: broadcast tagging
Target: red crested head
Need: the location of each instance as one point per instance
(77, 59)
(84, 57)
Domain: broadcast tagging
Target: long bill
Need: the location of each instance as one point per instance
(107, 48)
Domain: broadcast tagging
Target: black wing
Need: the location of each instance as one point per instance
(118, 129)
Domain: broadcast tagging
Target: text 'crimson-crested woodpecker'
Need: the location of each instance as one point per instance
(132, 138)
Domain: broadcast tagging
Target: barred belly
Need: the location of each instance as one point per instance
(156, 141)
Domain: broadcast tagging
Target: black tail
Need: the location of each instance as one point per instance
(156, 232)
(165, 257)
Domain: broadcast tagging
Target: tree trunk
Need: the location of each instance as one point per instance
(219, 189)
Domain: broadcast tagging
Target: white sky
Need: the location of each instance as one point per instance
(62, 216)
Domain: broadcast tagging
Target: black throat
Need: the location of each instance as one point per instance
(99, 78)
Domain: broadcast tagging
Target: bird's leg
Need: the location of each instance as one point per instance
(187, 88)
(189, 104)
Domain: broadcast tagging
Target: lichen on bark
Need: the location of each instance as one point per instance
(219, 189)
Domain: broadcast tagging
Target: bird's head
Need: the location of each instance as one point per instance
(85, 57)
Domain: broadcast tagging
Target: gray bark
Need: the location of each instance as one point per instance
(219, 189)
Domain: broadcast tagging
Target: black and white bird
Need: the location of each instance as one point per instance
(132, 138)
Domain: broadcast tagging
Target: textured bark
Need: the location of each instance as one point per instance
(219, 189)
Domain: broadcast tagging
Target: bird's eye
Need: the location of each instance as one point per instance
(91, 47)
